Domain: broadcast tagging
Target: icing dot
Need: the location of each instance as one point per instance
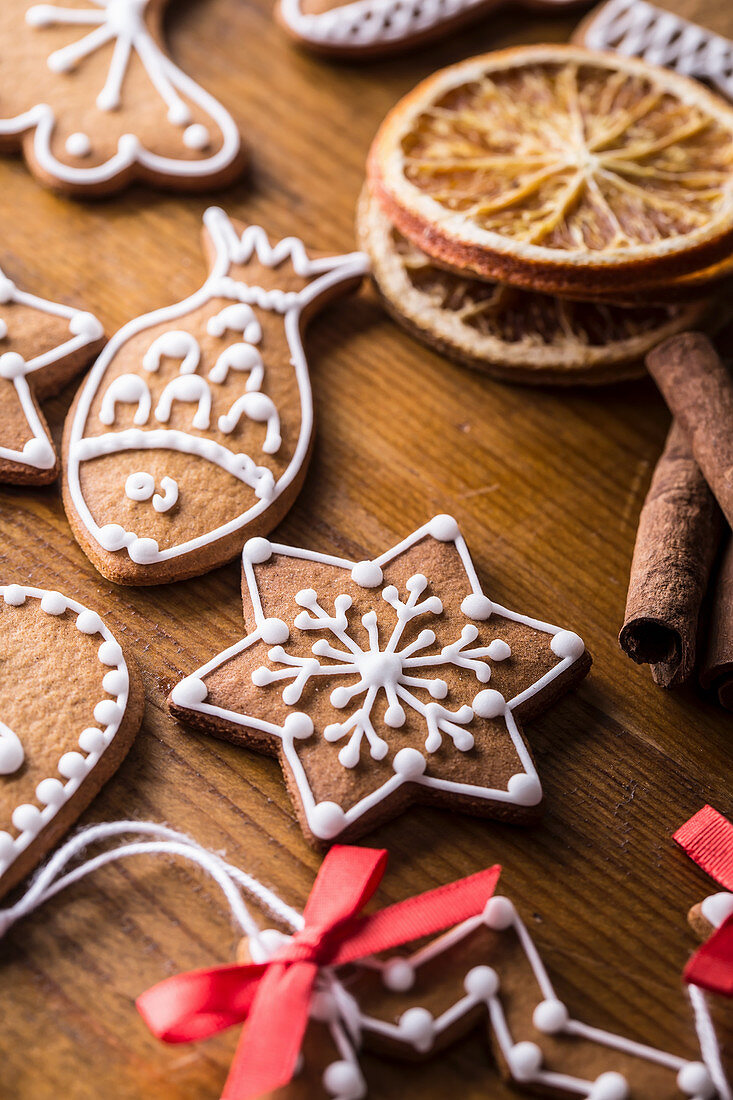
(14, 595)
(107, 712)
(196, 137)
(88, 622)
(716, 908)
(50, 792)
(112, 537)
(417, 1027)
(524, 1060)
(12, 365)
(298, 725)
(178, 114)
(477, 606)
(27, 818)
(53, 603)
(367, 574)
(409, 763)
(91, 740)
(128, 146)
(694, 1080)
(398, 975)
(11, 754)
(489, 703)
(40, 453)
(189, 692)
(72, 765)
(115, 681)
(444, 528)
(274, 632)
(326, 820)
(499, 914)
(143, 551)
(609, 1086)
(499, 651)
(567, 644)
(257, 550)
(6, 846)
(86, 324)
(343, 1079)
(482, 982)
(110, 653)
(140, 486)
(550, 1017)
(323, 1006)
(526, 790)
(7, 289)
(78, 145)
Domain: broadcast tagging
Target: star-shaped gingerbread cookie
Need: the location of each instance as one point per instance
(93, 101)
(42, 346)
(383, 682)
(485, 972)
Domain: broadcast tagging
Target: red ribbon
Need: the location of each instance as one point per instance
(708, 839)
(274, 997)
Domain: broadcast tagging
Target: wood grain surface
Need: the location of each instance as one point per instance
(547, 487)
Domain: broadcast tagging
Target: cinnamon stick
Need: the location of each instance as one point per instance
(699, 390)
(717, 670)
(676, 542)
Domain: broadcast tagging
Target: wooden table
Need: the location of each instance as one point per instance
(547, 487)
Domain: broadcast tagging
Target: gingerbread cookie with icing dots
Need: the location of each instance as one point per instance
(379, 683)
(485, 972)
(42, 346)
(373, 28)
(194, 428)
(89, 95)
(57, 747)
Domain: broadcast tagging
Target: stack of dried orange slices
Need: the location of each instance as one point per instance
(550, 213)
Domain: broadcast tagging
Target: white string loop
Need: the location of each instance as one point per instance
(709, 1045)
(51, 880)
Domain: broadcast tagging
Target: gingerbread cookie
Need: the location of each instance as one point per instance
(57, 746)
(661, 37)
(93, 101)
(485, 972)
(312, 1000)
(382, 682)
(371, 28)
(194, 427)
(42, 345)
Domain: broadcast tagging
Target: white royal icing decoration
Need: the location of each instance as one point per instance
(636, 28)
(53, 793)
(372, 22)
(122, 22)
(362, 668)
(84, 329)
(11, 751)
(716, 908)
(189, 386)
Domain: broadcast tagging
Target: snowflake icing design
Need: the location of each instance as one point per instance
(389, 670)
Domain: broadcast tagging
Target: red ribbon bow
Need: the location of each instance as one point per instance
(708, 839)
(274, 997)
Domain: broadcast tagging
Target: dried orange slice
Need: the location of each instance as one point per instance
(515, 335)
(559, 168)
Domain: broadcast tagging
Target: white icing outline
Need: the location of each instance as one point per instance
(347, 1023)
(372, 22)
(16, 595)
(635, 28)
(716, 908)
(162, 72)
(230, 249)
(288, 732)
(9, 293)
